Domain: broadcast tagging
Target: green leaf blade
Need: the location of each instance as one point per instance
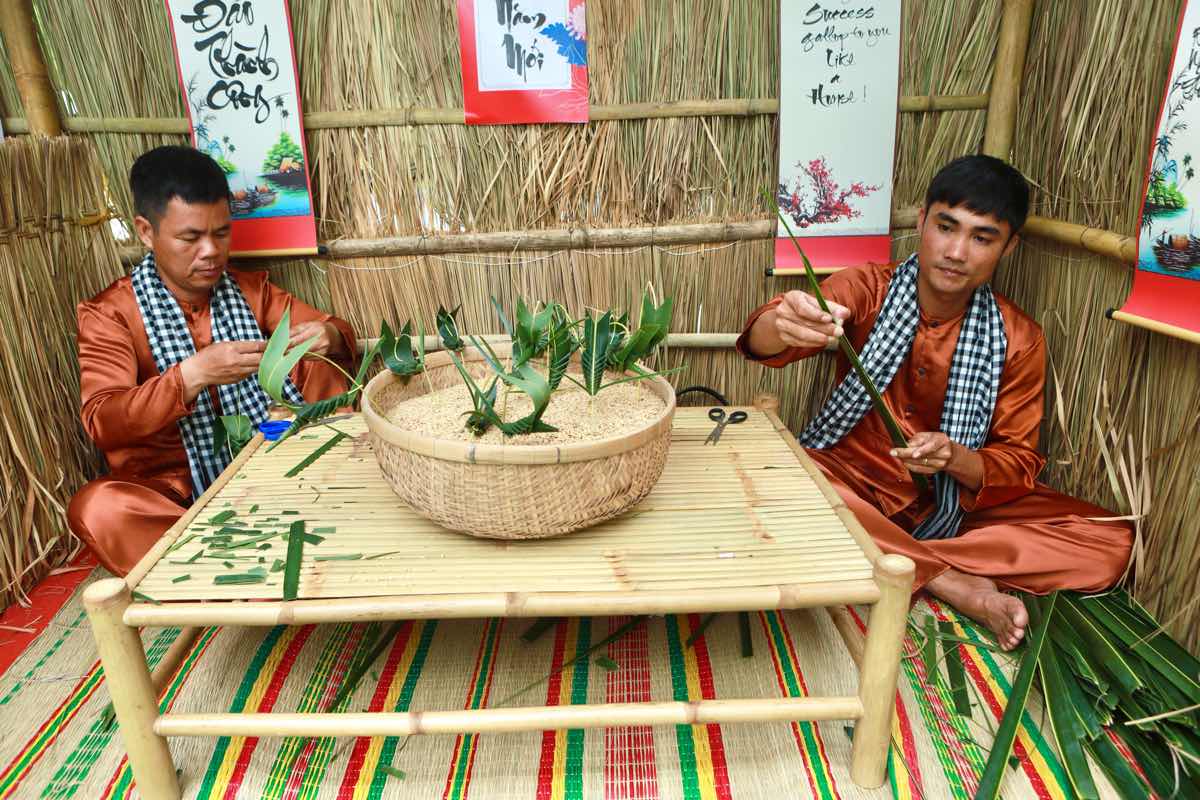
(994, 769)
(295, 554)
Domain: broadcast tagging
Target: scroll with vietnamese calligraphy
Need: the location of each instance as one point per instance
(238, 75)
(523, 61)
(839, 82)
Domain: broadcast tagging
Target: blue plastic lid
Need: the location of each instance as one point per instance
(272, 429)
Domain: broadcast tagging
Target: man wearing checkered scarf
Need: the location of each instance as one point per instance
(164, 352)
(963, 371)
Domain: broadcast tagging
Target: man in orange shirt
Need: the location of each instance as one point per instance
(167, 350)
(963, 371)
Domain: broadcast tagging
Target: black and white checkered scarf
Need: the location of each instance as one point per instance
(970, 394)
(171, 342)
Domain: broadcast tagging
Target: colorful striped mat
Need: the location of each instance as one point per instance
(55, 744)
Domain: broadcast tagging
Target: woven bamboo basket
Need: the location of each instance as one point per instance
(511, 491)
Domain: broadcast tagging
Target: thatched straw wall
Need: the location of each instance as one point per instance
(55, 250)
(1122, 413)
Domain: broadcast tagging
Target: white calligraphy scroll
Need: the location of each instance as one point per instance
(238, 76)
(839, 83)
(524, 61)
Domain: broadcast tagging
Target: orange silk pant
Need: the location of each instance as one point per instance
(1038, 543)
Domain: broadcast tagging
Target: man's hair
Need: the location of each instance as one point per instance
(984, 185)
(171, 171)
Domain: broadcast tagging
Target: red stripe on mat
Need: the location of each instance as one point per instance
(716, 744)
(545, 781)
(267, 704)
(46, 600)
(363, 743)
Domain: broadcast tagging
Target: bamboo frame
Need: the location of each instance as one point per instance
(135, 701)
(508, 720)
(115, 620)
(407, 117)
(1005, 95)
(769, 405)
(1095, 240)
(500, 604)
(29, 67)
(880, 669)
(1111, 244)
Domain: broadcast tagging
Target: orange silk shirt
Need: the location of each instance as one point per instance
(1011, 461)
(130, 410)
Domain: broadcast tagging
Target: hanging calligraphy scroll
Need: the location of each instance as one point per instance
(238, 74)
(839, 82)
(523, 61)
(1166, 284)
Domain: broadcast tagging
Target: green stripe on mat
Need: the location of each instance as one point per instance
(812, 755)
(950, 769)
(75, 625)
(318, 685)
(388, 751)
(1027, 723)
(679, 691)
(122, 784)
(463, 757)
(239, 704)
(79, 762)
(314, 771)
(579, 689)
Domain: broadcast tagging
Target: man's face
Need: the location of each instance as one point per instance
(959, 250)
(190, 244)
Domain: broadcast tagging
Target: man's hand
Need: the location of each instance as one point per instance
(926, 453)
(933, 451)
(329, 339)
(218, 364)
(797, 321)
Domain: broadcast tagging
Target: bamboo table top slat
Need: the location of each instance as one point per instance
(745, 513)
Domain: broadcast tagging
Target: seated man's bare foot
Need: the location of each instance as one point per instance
(1003, 614)
(980, 599)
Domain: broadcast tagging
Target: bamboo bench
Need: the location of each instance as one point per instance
(747, 525)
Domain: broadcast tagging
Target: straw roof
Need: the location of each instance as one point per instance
(1121, 410)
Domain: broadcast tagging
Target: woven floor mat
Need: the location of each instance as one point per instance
(54, 742)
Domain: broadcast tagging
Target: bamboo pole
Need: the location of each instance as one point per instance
(29, 67)
(1096, 240)
(852, 637)
(507, 720)
(1005, 95)
(1154, 325)
(176, 653)
(880, 667)
(552, 239)
(405, 117)
(503, 604)
(134, 699)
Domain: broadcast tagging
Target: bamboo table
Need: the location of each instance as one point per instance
(749, 524)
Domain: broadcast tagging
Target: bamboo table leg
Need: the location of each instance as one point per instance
(880, 668)
(134, 699)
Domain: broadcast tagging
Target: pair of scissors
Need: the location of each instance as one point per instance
(717, 415)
